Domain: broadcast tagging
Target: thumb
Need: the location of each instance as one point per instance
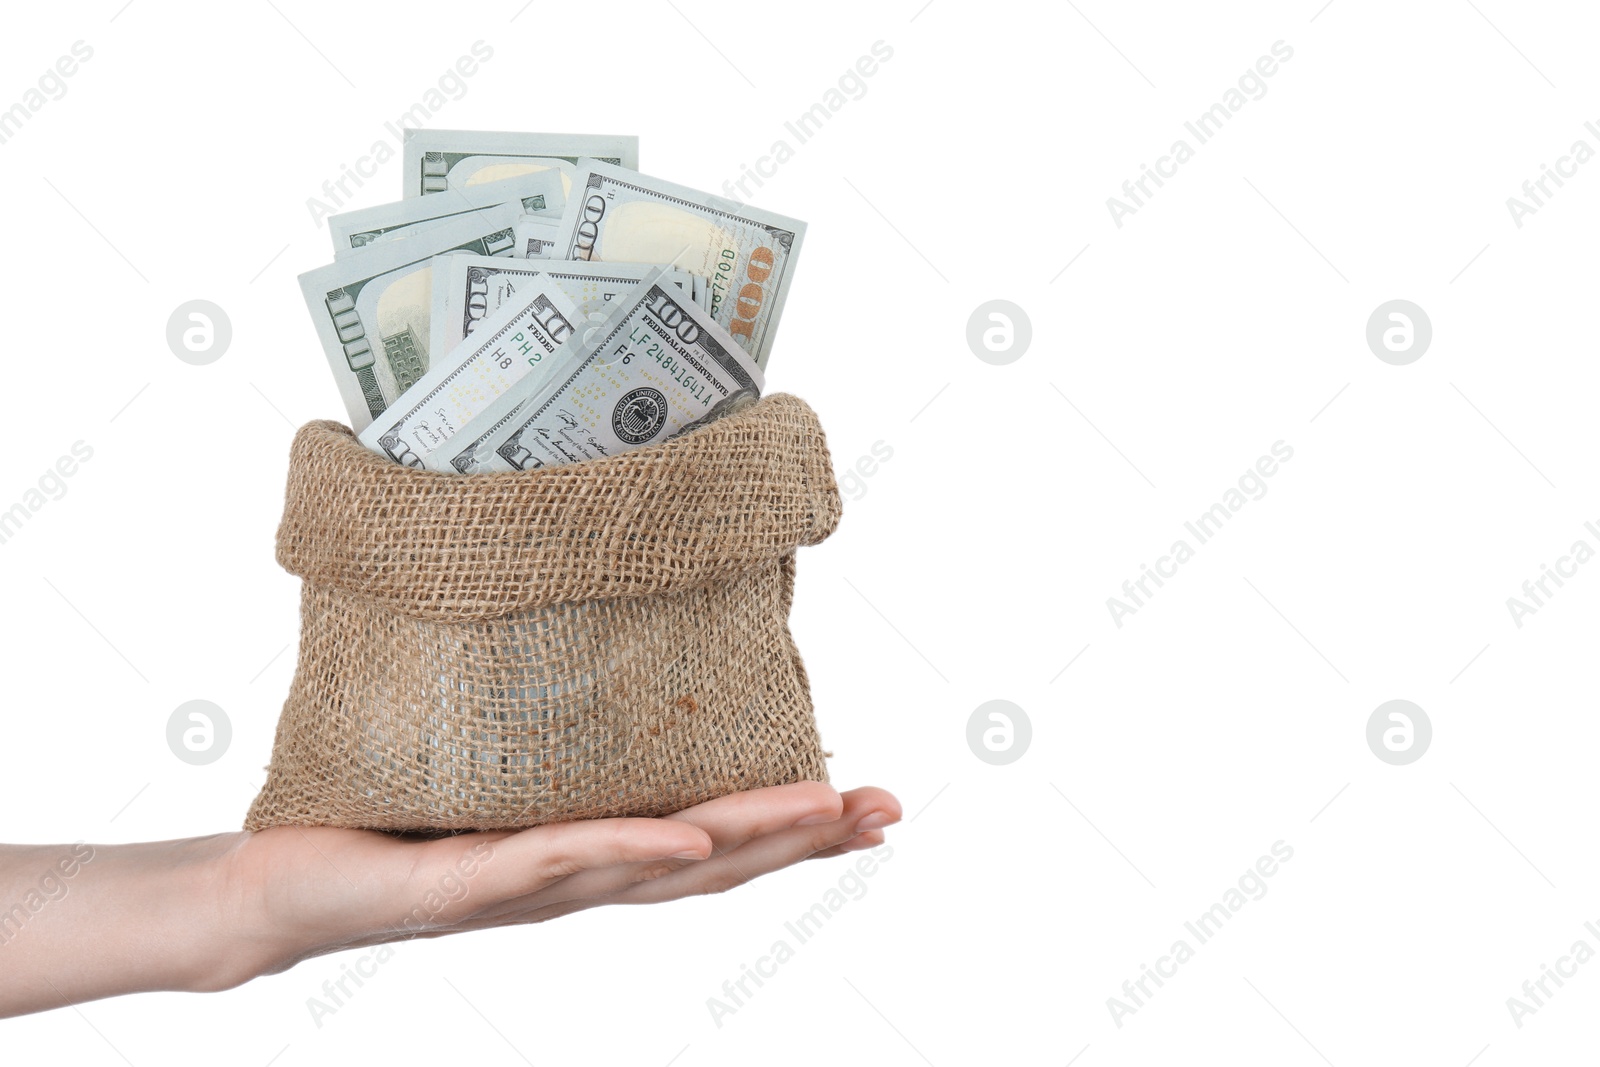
(529, 860)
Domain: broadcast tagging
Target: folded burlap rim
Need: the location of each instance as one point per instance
(724, 498)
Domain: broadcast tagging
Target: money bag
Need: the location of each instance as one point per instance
(496, 651)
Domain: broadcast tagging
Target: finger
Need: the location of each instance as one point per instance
(747, 866)
(871, 799)
(587, 888)
(526, 862)
(864, 810)
(860, 842)
(730, 821)
(734, 819)
(653, 881)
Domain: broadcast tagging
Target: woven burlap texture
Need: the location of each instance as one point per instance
(497, 651)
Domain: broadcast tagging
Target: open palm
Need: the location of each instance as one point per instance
(322, 889)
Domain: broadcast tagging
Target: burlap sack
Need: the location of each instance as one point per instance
(502, 650)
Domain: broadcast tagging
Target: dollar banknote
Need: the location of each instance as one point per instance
(536, 237)
(659, 366)
(746, 254)
(468, 290)
(513, 342)
(436, 160)
(371, 309)
(538, 194)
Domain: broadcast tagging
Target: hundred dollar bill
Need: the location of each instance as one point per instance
(660, 366)
(538, 194)
(468, 290)
(536, 237)
(436, 160)
(371, 308)
(748, 255)
(513, 342)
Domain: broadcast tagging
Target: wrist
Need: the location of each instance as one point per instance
(206, 923)
(245, 935)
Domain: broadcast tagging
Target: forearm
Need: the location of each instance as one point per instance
(80, 922)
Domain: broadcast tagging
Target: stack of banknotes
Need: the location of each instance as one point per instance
(535, 300)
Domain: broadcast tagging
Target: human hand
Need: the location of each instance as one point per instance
(211, 913)
(325, 889)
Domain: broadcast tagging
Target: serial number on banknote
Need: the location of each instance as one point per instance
(687, 377)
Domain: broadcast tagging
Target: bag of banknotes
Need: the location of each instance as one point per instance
(495, 651)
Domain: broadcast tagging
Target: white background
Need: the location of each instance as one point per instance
(1227, 314)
